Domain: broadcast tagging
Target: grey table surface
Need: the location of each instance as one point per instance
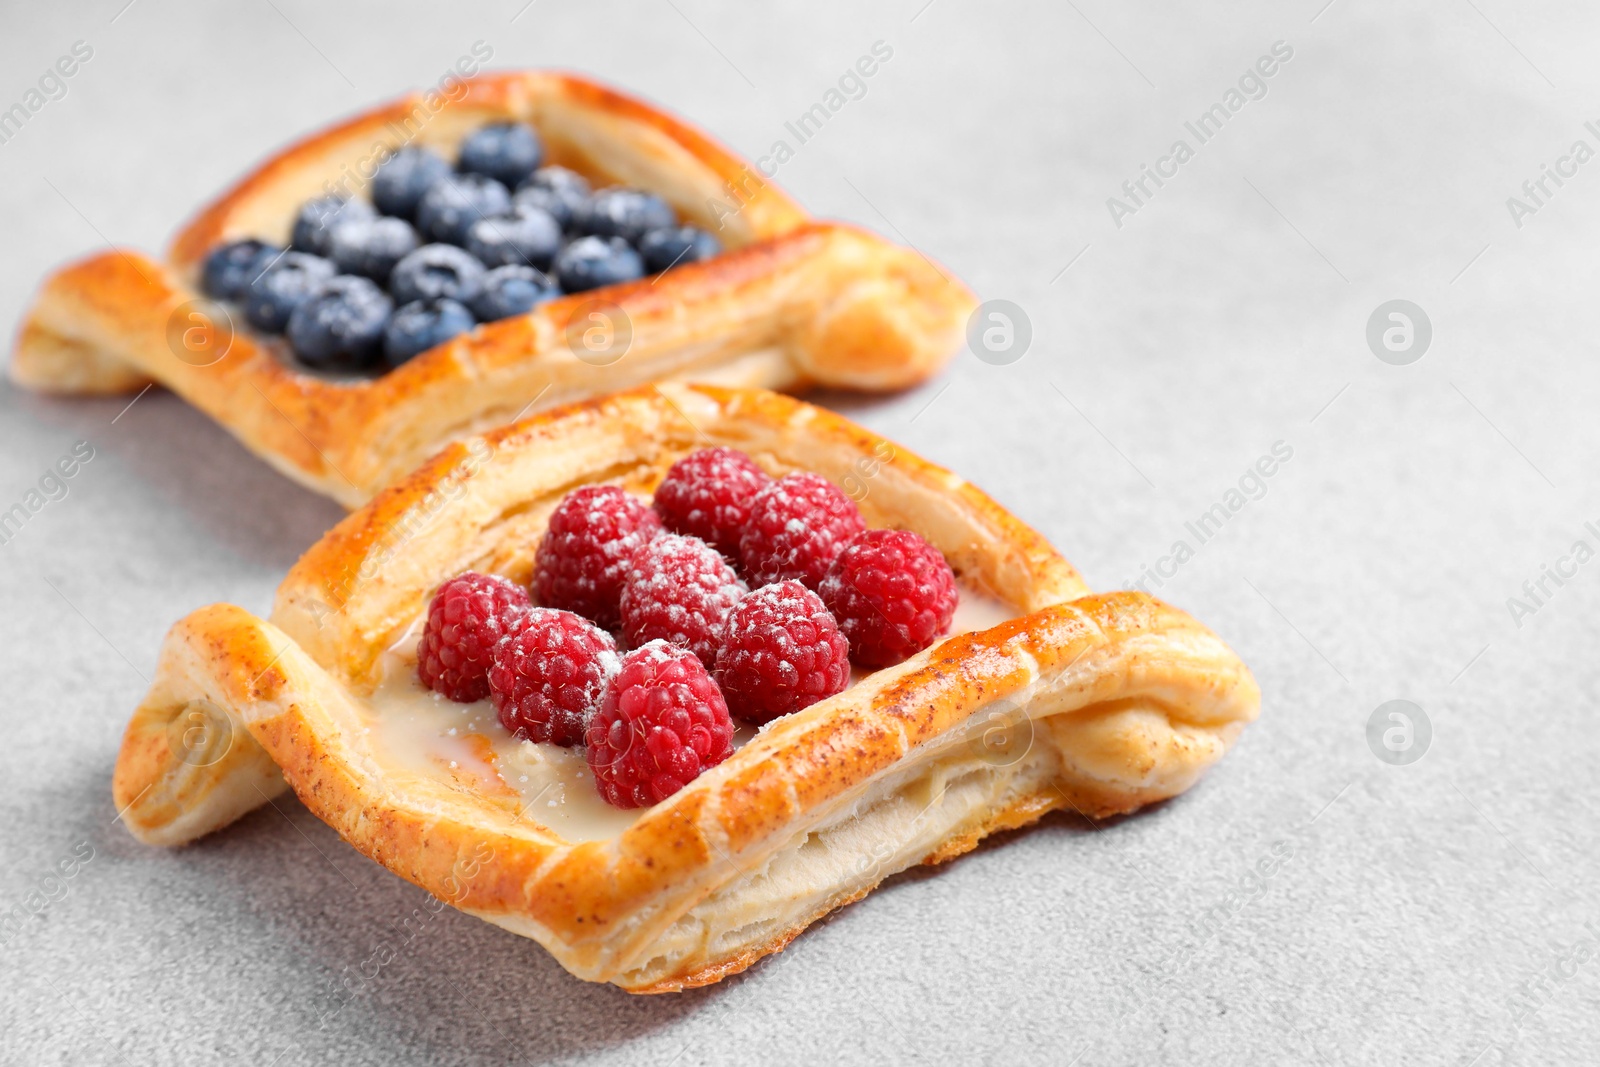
(1440, 911)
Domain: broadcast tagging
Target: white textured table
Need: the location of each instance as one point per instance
(1424, 913)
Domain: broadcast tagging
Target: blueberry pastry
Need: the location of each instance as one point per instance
(555, 212)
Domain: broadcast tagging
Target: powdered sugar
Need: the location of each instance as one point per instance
(797, 526)
(583, 559)
(549, 675)
(707, 494)
(679, 589)
(781, 651)
(663, 722)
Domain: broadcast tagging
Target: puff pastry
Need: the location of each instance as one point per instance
(791, 303)
(1098, 703)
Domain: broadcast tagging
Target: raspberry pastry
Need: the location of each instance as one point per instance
(653, 820)
(441, 265)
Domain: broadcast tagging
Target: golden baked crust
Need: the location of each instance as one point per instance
(792, 303)
(1099, 703)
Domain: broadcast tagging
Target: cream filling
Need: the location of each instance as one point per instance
(417, 731)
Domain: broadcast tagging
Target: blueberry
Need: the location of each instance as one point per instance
(512, 290)
(421, 324)
(532, 237)
(504, 151)
(558, 179)
(450, 207)
(433, 271)
(229, 269)
(402, 179)
(545, 202)
(315, 223)
(556, 190)
(625, 213)
(675, 245)
(340, 326)
(590, 262)
(272, 298)
(371, 247)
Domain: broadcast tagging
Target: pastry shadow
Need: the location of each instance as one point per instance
(393, 966)
(396, 967)
(191, 466)
(349, 954)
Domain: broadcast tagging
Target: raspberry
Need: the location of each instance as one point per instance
(549, 673)
(707, 494)
(661, 723)
(797, 527)
(469, 614)
(781, 651)
(892, 593)
(584, 555)
(679, 590)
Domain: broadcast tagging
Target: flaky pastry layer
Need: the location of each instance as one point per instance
(1093, 703)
